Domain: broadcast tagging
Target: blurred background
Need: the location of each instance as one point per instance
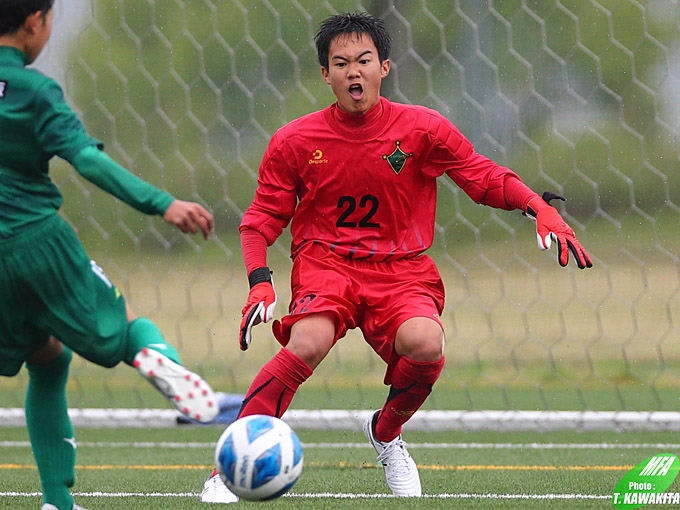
(580, 97)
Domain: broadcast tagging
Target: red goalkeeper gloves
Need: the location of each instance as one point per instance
(550, 227)
(260, 304)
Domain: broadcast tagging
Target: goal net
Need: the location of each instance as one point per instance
(580, 97)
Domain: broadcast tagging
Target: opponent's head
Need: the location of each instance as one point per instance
(353, 50)
(13, 13)
(26, 24)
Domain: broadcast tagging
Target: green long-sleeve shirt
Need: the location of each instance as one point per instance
(37, 124)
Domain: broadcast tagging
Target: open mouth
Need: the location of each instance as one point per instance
(356, 91)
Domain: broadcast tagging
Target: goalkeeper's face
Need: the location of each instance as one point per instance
(355, 72)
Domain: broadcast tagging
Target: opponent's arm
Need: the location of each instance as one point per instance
(189, 217)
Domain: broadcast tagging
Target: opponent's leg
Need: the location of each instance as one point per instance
(50, 429)
(143, 333)
(158, 362)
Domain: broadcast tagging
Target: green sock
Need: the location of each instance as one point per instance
(50, 429)
(144, 333)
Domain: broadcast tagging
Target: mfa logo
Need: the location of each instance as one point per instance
(646, 483)
(3, 87)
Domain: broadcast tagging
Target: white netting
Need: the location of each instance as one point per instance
(580, 97)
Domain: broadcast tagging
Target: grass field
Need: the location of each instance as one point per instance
(166, 468)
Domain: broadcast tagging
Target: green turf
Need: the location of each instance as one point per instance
(110, 464)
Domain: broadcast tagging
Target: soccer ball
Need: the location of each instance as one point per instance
(259, 457)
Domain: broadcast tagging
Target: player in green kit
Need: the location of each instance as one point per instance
(54, 300)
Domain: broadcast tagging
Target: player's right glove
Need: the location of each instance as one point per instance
(260, 304)
(551, 227)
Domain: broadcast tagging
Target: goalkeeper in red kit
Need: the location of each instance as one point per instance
(357, 181)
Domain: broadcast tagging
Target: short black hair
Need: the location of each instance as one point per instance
(352, 23)
(13, 13)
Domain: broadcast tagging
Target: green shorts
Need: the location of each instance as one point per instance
(49, 286)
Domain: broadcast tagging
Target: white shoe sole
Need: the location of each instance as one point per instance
(188, 392)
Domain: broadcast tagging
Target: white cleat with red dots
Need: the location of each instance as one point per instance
(188, 392)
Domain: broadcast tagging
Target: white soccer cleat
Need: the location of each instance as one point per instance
(214, 491)
(188, 392)
(401, 471)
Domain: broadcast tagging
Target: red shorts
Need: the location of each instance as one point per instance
(376, 297)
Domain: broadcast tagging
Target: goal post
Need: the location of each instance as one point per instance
(580, 97)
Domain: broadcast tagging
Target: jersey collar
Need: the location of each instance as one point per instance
(359, 127)
(12, 55)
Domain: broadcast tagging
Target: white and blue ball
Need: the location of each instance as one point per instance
(259, 457)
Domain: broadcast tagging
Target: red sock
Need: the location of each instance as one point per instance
(412, 382)
(274, 387)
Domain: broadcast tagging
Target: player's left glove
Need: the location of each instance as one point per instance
(550, 227)
(260, 304)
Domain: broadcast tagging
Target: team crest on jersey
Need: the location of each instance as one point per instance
(3, 87)
(398, 158)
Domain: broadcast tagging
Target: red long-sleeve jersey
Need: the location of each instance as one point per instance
(366, 186)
